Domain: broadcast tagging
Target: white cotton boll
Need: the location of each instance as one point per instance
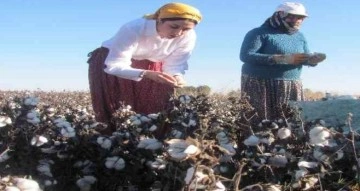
(4, 156)
(252, 141)
(136, 122)
(278, 161)
(283, 133)
(68, 132)
(300, 173)
(12, 188)
(145, 119)
(33, 120)
(153, 115)
(44, 169)
(192, 123)
(185, 99)
(153, 128)
(145, 142)
(177, 156)
(189, 174)
(32, 101)
(320, 156)
(109, 164)
(319, 136)
(224, 169)
(154, 146)
(306, 164)
(104, 142)
(176, 134)
(119, 164)
(191, 150)
(5, 121)
(229, 147)
(219, 186)
(268, 140)
(38, 140)
(26, 184)
(339, 155)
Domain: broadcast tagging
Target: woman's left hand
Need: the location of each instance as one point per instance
(180, 82)
(316, 58)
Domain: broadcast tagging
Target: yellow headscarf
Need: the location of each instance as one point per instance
(176, 10)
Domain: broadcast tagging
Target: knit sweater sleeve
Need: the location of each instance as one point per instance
(250, 48)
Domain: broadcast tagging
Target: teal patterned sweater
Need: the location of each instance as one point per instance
(261, 43)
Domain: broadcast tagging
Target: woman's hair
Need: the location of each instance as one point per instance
(176, 19)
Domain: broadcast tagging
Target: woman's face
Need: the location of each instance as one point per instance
(172, 29)
(294, 20)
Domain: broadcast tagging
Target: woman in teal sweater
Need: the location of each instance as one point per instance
(273, 56)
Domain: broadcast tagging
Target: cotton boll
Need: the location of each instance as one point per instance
(319, 136)
(68, 132)
(38, 140)
(5, 121)
(189, 174)
(104, 142)
(153, 128)
(219, 186)
(4, 156)
(278, 161)
(185, 99)
(26, 184)
(283, 133)
(145, 119)
(31, 101)
(300, 173)
(85, 183)
(154, 146)
(306, 164)
(153, 115)
(191, 149)
(252, 141)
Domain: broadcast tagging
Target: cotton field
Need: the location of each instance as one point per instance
(51, 141)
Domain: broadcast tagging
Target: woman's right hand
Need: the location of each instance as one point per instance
(160, 77)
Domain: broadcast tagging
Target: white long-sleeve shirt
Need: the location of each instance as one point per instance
(139, 40)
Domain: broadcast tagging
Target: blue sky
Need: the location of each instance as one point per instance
(44, 44)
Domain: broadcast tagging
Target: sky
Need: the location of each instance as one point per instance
(44, 43)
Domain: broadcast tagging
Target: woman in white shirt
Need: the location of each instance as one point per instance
(144, 62)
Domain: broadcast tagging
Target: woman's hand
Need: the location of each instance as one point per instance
(316, 58)
(160, 77)
(180, 81)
